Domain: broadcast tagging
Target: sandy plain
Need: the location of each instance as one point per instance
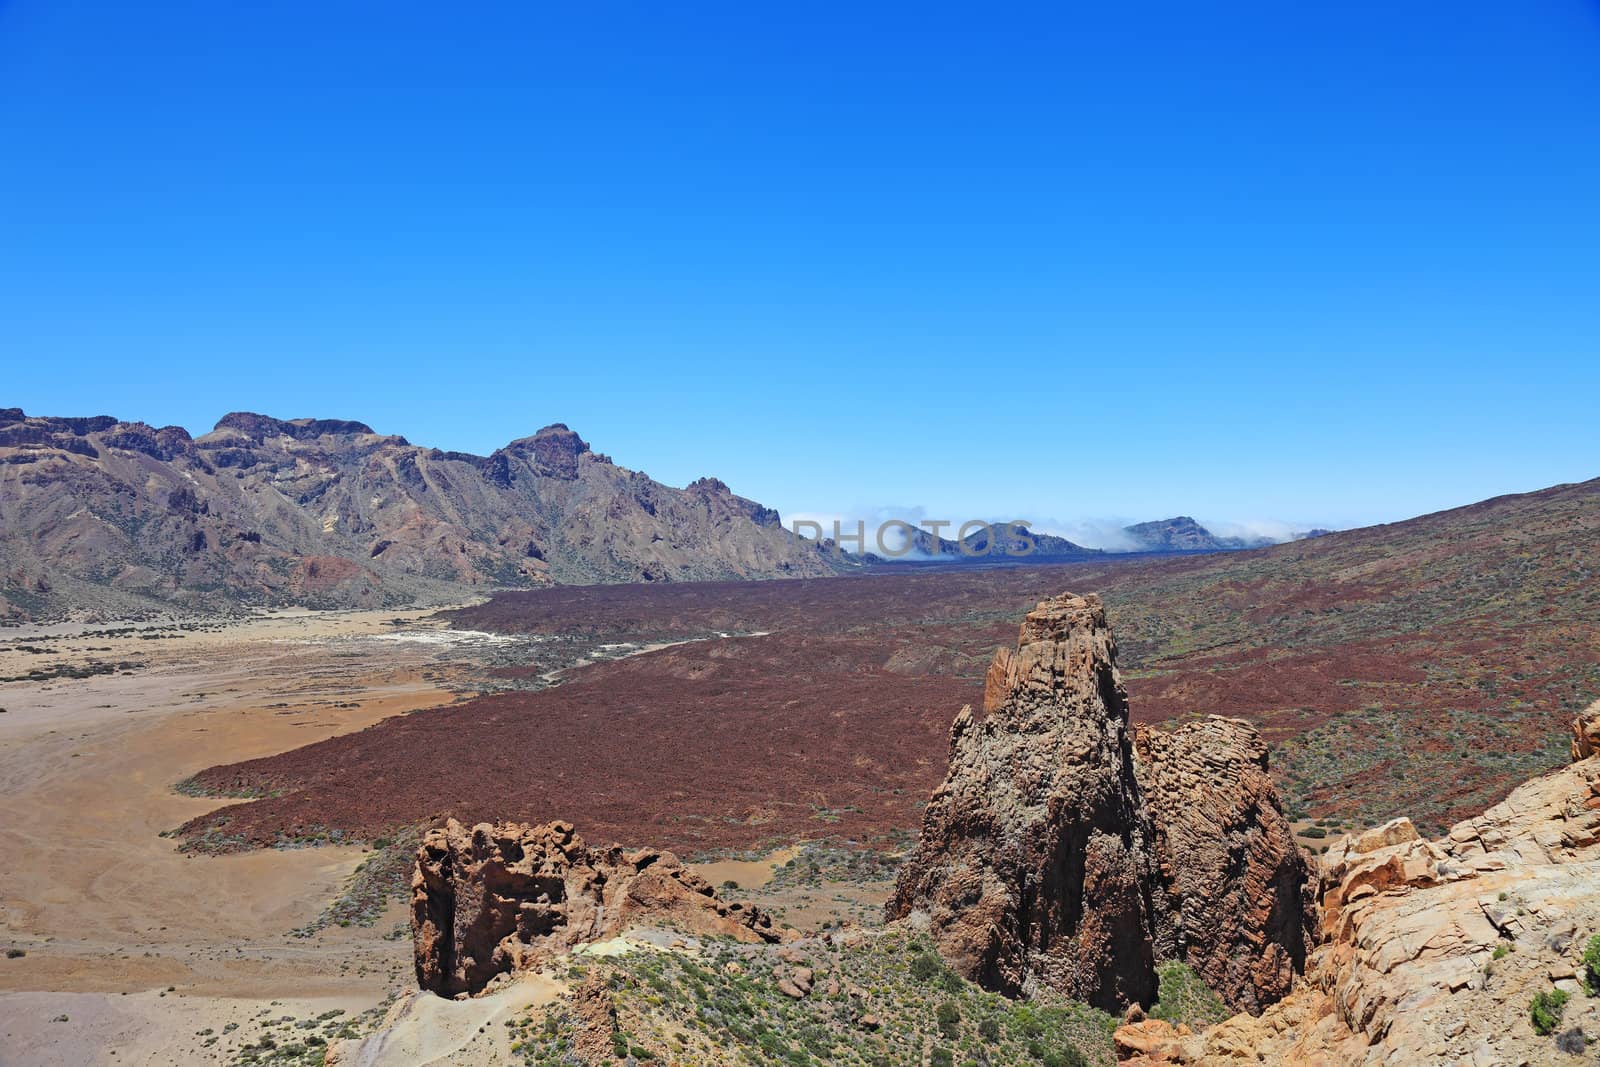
(122, 949)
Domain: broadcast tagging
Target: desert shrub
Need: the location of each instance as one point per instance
(989, 1030)
(1066, 1056)
(924, 967)
(1591, 967)
(1182, 997)
(941, 1058)
(1544, 1011)
(1572, 1042)
(948, 1015)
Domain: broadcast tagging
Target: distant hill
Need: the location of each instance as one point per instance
(995, 543)
(1183, 534)
(118, 518)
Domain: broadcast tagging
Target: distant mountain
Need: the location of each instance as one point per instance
(1183, 534)
(997, 542)
(121, 517)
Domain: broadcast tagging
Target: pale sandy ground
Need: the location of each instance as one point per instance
(109, 913)
(424, 1029)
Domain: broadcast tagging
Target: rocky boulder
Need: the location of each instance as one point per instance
(497, 899)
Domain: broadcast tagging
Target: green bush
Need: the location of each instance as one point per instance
(941, 1058)
(948, 1015)
(924, 967)
(1591, 967)
(989, 1030)
(1544, 1011)
(1182, 997)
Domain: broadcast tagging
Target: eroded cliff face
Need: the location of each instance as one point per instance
(1432, 950)
(1055, 856)
(494, 900)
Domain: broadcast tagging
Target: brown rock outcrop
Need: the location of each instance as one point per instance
(1053, 856)
(1586, 732)
(1234, 900)
(1034, 863)
(497, 899)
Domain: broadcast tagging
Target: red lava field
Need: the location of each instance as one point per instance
(1420, 667)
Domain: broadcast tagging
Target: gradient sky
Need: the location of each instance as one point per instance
(1330, 263)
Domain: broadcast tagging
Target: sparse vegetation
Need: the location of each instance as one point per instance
(885, 1001)
(1591, 967)
(1546, 1009)
(1182, 997)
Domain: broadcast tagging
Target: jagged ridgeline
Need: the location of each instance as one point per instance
(123, 517)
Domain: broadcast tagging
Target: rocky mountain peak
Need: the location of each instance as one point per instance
(260, 427)
(553, 451)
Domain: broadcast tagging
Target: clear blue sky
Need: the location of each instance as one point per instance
(1324, 262)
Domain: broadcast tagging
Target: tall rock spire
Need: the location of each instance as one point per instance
(1034, 864)
(1054, 855)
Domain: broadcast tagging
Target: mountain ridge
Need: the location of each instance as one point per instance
(119, 517)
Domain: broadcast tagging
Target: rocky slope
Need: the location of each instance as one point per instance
(120, 517)
(500, 899)
(1056, 856)
(1433, 950)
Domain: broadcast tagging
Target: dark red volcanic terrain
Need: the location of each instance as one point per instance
(1422, 667)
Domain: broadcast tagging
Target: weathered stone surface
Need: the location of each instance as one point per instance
(1034, 863)
(1586, 732)
(496, 899)
(1233, 900)
(1053, 856)
(1408, 971)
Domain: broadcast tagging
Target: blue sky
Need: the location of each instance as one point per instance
(1330, 263)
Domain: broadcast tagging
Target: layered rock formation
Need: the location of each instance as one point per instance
(1232, 900)
(119, 517)
(492, 900)
(1051, 856)
(1433, 949)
